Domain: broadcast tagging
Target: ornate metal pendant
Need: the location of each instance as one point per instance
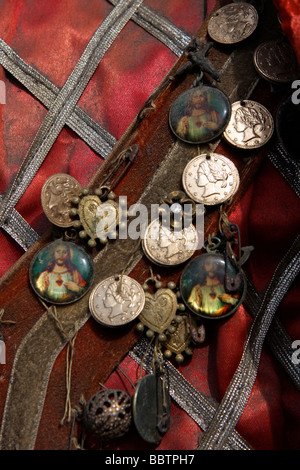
(107, 414)
(96, 216)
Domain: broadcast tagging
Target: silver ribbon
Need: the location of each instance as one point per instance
(46, 92)
(199, 407)
(66, 100)
(238, 392)
(161, 28)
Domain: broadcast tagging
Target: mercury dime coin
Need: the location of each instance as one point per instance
(233, 23)
(210, 179)
(250, 126)
(56, 198)
(276, 61)
(116, 301)
(169, 247)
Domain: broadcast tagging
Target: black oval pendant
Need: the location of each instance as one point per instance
(145, 409)
(61, 273)
(207, 286)
(200, 114)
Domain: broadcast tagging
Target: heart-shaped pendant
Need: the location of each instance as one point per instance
(159, 310)
(95, 218)
(87, 211)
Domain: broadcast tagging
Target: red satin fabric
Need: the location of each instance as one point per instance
(51, 36)
(289, 14)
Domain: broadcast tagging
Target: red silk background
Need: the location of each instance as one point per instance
(51, 37)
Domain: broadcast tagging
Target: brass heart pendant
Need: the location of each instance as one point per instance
(96, 219)
(159, 310)
(87, 211)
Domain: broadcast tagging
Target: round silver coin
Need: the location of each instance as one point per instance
(250, 126)
(233, 23)
(276, 62)
(210, 179)
(116, 301)
(169, 247)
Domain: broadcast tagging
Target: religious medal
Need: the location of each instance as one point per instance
(276, 62)
(203, 286)
(61, 273)
(199, 114)
(164, 246)
(210, 179)
(251, 125)
(233, 23)
(152, 405)
(116, 301)
(56, 198)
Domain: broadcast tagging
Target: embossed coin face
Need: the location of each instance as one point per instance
(167, 247)
(210, 179)
(251, 125)
(56, 197)
(200, 114)
(116, 301)
(233, 23)
(276, 61)
(61, 273)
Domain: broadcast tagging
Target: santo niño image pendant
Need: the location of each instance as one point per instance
(199, 114)
(61, 273)
(203, 286)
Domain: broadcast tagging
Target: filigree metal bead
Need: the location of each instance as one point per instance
(107, 414)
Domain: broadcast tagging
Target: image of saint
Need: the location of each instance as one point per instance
(250, 122)
(60, 281)
(200, 121)
(209, 296)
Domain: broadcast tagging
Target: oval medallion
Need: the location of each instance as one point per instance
(145, 409)
(61, 273)
(210, 179)
(117, 300)
(202, 286)
(200, 114)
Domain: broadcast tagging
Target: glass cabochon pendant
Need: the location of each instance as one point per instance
(204, 289)
(200, 114)
(116, 301)
(61, 273)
